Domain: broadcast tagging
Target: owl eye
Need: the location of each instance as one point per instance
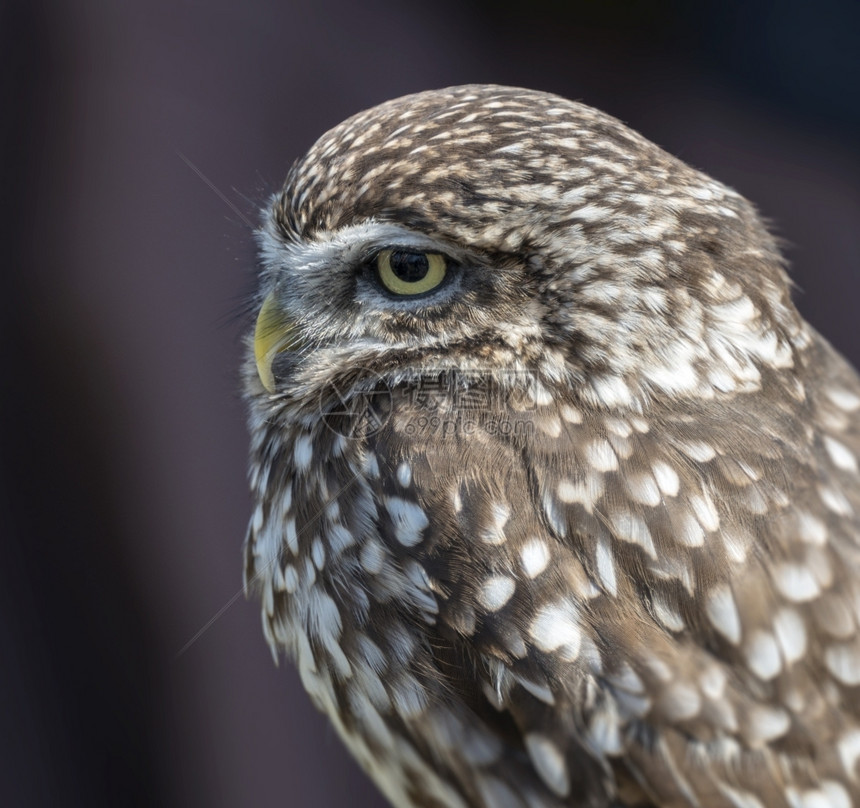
(404, 272)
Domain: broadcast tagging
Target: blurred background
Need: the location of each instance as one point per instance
(138, 141)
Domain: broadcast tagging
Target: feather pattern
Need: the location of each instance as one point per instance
(580, 528)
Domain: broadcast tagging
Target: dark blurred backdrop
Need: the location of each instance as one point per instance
(123, 445)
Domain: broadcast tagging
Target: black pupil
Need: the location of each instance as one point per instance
(410, 267)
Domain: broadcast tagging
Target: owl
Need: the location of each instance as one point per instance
(557, 499)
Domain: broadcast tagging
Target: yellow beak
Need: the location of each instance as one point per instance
(274, 333)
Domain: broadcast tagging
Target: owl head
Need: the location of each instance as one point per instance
(486, 227)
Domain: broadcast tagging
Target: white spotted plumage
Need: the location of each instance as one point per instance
(580, 527)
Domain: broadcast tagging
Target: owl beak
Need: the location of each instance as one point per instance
(274, 333)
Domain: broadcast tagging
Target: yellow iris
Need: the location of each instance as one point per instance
(410, 273)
